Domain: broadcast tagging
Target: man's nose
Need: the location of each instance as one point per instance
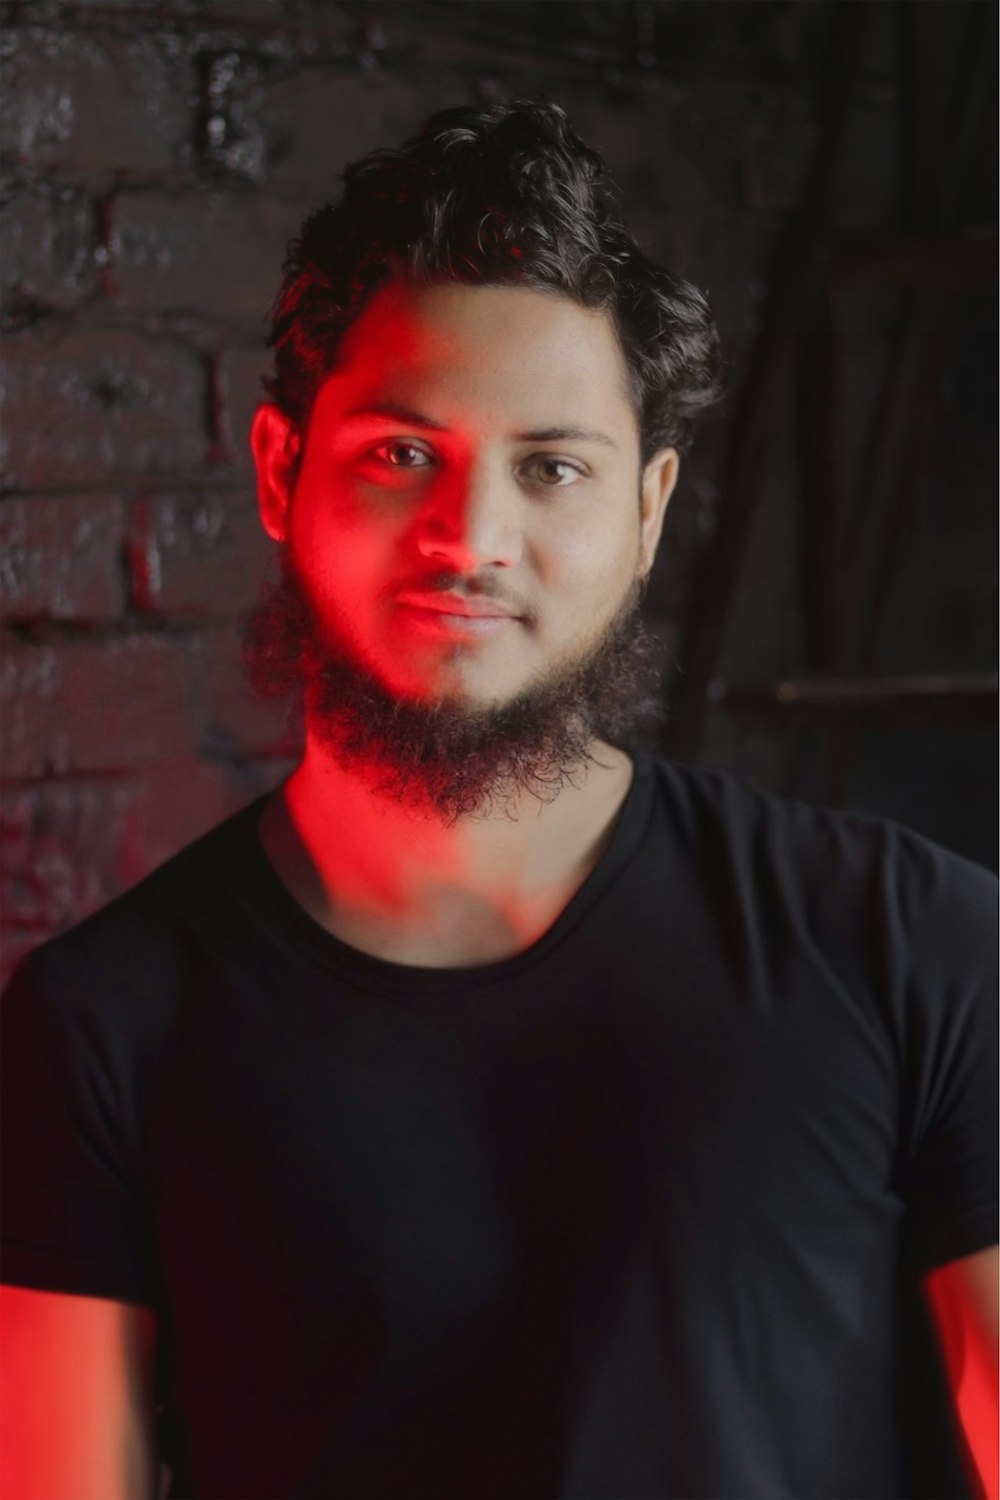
(472, 521)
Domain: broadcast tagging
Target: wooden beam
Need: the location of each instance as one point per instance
(950, 259)
(967, 700)
(759, 409)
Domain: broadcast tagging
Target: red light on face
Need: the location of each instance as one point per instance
(464, 515)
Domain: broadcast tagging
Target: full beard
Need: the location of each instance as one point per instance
(447, 757)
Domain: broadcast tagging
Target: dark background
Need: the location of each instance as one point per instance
(827, 171)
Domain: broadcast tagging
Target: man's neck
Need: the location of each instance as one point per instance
(403, 884)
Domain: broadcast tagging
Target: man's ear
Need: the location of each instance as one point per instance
(274, 440)
(658, 480)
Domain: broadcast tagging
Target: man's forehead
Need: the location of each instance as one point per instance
(438, 351)
(435, 303)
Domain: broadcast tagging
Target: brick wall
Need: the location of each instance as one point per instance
(157, 159)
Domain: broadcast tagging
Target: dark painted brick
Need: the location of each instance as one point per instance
(217, 253)
(95, 706)
(76, 101)
(310, 123)
(171, 806)
(15, 944)
(597, 31)
(61, 558)
(341, 118)
(197, 553)
(768, 38)
(68, 847)
(327, 27)
(233, 136)
(80, 405)
(231, 724)
(60, 848)
(48, 246)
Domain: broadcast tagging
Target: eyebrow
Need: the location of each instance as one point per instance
(395, 411)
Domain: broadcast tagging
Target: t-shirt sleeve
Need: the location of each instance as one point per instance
(951, 1057)
(73, 1217)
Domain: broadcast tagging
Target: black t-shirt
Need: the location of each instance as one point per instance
(640, 1212)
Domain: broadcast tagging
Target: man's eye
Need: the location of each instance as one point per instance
(544, 464)
(404, 448)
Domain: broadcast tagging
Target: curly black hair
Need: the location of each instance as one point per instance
(503, 196)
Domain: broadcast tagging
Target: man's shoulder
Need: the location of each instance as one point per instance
(837, 847)
(884, 911)
(143, 927)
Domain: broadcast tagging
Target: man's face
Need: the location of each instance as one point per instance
(465, 520)
(464, 547)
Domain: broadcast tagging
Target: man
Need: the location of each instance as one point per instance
(491, 1111)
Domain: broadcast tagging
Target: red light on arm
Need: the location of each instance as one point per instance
(963, 1297)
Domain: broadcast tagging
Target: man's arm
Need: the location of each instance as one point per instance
(963, 1298)
(77, 1414)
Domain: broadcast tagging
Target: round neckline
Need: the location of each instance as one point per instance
(285, 916)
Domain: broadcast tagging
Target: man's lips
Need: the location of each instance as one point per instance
(456, 604)
(454, 617)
